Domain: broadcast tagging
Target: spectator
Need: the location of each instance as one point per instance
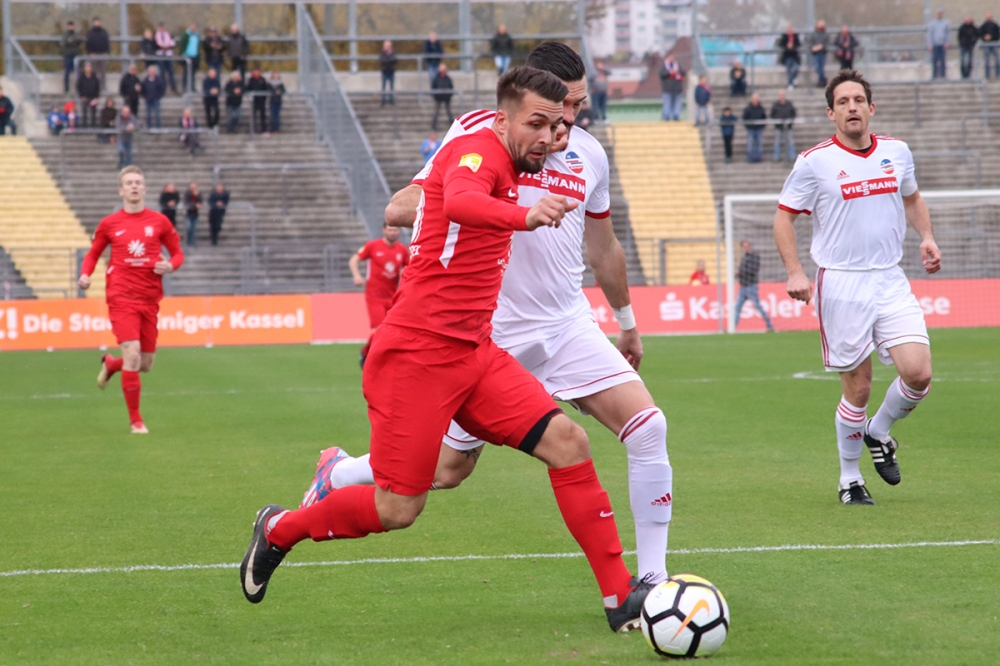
(789, 43)
(106, 121)
(98, 44)
(442, 87)
(818, 43)
(147, 47)
(727, 123)
(938, 32)
(165, 49)
(749, 273)
(153, 90)
(429, 146)
(168, 203)
(737, 80)
(210, 87)
(72, 119)
(585, 118)
(846, 45)
(72, 46)
(433, 49)
(192, 205)
(258, 89)
(239, 50)
(702, 97)
(214, 49)
(218, 199)
(672, 87)
(968, 35)
(753, 116)
(699, 277)
(599, 94)
(277, 99)
(6, 113)
(191, 49)
(502, 48)
(88, 89)
(234, 102)
(126, 132)
(56, 120)
(130, 88)
(387, 64)
(783, 110)
(989, 32)
(191, 140)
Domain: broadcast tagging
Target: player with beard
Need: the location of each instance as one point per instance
(544, 320)
(432, 359)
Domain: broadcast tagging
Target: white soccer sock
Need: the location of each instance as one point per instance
(899, 401)
(352, 472)
(850, 422)
(650, 481)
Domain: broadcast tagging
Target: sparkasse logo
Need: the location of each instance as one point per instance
(867, 188)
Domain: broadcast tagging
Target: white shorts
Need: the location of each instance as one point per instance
(578, 362)
(860, 311)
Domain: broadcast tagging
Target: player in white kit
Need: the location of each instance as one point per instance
(860, 190)
(544, 320)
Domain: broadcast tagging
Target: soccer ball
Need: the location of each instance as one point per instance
(686, 616)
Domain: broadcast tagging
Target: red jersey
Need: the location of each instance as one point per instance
(384, 265)
(136, 241)
(462, 237)
(698, 277)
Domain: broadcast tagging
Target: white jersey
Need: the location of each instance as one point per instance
(542, 288)
(856, 202)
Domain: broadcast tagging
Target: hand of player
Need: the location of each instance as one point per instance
(561, 139)
(359, 281)
(163, 267)
(799, 287)
(931, 255)
(630, 345)
(549, 212)
(84, 282)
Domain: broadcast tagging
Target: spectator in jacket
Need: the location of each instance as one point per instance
(6, 112)
(106, 121)
(98, 44)
(700, 276)
(239, 50)
(433, 49)
(672, 87)
(387, 61)
(153, 90)
(702, 97)
(126, 125)
(191, 140)
(502, 48)
(56, 121)
(585, 118)
(277, 99)
(749, 276)
(599, 94)
(130, 88)
(938, 32)
(191, 50)
(168, 203)
(259, 90)
(789, 43)
(442, 88)
(192, 206)
(989, 32)
(819, 42)
(88, 89)
(72, 46)
(737, 80)
(429, 146)
(727, 123)
(218, 199)
(968, 35)
(147, 47)
(753, 114)
(210, 88)
(165, 49)
(215, 48)
(234, 102)
(784, 110)
(846, 46)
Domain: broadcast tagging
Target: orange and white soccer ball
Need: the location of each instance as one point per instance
(686, 616)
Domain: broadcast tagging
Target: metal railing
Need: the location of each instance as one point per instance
(263, 269)
(23, 72)
(138, 136)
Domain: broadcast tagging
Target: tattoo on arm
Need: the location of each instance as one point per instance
(474, 454)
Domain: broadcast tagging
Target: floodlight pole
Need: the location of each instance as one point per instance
(123, 28)
(465, 30)
(8, 49)
(352, 33)
(238, 13)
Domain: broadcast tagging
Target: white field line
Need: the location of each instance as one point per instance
(510, 556)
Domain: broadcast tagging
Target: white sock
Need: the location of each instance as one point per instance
(899, 401)
(850, 422)
(650, 481)
(352, 472)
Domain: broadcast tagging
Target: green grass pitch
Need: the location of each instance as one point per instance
(752, 444)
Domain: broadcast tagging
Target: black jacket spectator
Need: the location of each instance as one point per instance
(98, 41)
(968, 35)
(238, 46)
(147, 47)
(845, 46)
(432, 49)
(107, 118)
(737, 81)
(789, 47)
(88, 86)
(671, 79)
(783, 111)
(214, 48)
(71, 44)
(6, 112)
(752, 114)
(217, 202)
(154, 89)
(990, 29)
(257, 84)
(502, 44)
(749, 270)
(168, 205)
(443, 87)
(192, 202)
(210, 86)
(130, 89)
(387, 62)
(234, 93)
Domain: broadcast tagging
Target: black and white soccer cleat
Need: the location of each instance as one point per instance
(884, 457)
(855, 493)
(626, 616)
(261, 559)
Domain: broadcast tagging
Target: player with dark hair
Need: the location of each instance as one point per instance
(386, 259)
(860, 190)
(134, 284)
(432, 359)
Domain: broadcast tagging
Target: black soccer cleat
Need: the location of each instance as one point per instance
(884, 457)
(855, 493)
(626, 616)
(261, 559)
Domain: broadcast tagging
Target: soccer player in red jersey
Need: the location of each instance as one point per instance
(432, 359)
(386, 259)
(134, 284)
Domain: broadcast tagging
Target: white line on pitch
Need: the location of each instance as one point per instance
(510, 556)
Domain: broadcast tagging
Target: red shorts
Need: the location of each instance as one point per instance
(135, 321)
(376, 310)
(415, 382)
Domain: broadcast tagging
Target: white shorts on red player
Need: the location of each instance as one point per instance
(578, 361)
(860, 311)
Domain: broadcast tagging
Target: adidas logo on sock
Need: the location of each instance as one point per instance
(856, 435)
(662, 501)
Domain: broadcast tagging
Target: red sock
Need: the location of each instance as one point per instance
(131, 387)
(113, 364)
(346, 513)
(586, 509)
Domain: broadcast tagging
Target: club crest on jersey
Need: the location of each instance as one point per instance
(149, 232)
(472, 160)
(887, 167)
(574, 162)
(136, 248)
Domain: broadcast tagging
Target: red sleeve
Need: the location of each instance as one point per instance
(172, 242)
(365, 251)
(468, 198)
(96, 249)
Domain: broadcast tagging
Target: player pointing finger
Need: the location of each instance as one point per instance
(549, 212)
